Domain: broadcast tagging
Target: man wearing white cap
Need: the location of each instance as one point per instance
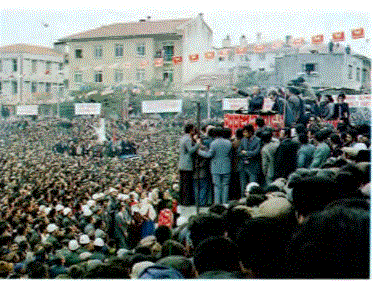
(98, 253)
(73, 257)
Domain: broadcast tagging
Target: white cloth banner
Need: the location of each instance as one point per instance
(159, 106)
(27, 110)
(235, 104)
(87, 108)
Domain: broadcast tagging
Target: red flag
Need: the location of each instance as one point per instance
(210, 55)
(317, 39)
(298, 41)
(357, 33)
(259, 48)
(338, 36)
(224, 52)
(158, 62)
(194, 57)
(177, 60)
(241, 51)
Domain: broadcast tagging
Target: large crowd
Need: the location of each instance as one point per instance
(279, 203)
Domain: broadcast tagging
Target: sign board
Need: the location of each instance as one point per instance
(235, 104)
(159, 106)
(357, 100)
(87, 108)
(268, 104)
(27, 110)
(235, 121)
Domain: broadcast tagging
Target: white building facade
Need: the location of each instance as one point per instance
(30, 75)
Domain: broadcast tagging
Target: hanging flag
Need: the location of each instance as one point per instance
(241, 51)
(298, 42)
(317, 39)
(276, 45)
(357, 33)
(194, 57)
(158, 62)
(338, 36)
(224, 52)
(210, 55)
(259, 48)
(177, 60)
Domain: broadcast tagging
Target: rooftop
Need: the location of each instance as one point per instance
(29, 49)
(146, 27)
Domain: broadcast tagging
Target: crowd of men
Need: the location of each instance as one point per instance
(287, 203)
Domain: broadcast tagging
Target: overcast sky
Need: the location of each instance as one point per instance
(21, 22)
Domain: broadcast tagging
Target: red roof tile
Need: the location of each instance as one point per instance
(29, 49)
(130, 29)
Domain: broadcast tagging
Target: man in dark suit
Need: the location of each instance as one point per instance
(249, 157)
(286, 155)
(341, 109)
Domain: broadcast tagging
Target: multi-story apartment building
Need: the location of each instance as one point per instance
(326, 69)
(132, 52)
(30, 75)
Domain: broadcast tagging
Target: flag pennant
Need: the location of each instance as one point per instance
(177, 60)
(338, 36)
(241, 51)
(194, 57)
(210, 55)
(224, 52)
(357, 33)
(259, 48)
(298, 42)
(317, 39)
(158, 62)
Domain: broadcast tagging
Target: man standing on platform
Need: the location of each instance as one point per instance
(188, 147)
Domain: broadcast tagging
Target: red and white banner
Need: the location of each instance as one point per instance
(159, 106)
(235, 121)
(235, 104)
(241, 51)
(210, 55)
(259, 48)
(158, 62)
(338, 36)
(298, 42)
(317, 39)
(357, 33)
(194, 57)
(177, 60)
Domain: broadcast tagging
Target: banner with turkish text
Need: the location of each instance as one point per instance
(235, 121)
(317, 39)
(298, 42)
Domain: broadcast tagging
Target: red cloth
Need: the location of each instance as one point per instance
(166, 217)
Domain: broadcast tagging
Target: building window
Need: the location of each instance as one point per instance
(98, 77)
(140, 75)
(78, 53)
(1, 87)
(349, 74)
(364, 77)
(118, 76)
(168, 53)
(78, 77)
(1, 66)
(221, 58)
(60, 66)
(34, 87)
(358, 74)
(309, 68)
(60, 89)
(48, 87)
(41, 87)
(118, 50)
(262, 56)
(48, 67)
(98, 52)
(33, 66)
(168, 76)
(140, 49)
(14, 87)
(15, 65)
